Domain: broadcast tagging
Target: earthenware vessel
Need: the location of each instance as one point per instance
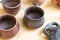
(38, 2)
(9, 26)
(57, 2)
(11, 6)
(58, 34)
(52, 30)
(34, 17)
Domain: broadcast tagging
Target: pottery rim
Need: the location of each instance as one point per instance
(32, 18)
(13, 25)
(12, 7)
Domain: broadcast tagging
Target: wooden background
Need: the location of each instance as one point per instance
(52, 14)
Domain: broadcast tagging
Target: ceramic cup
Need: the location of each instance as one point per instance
(52, 30)
(38, 2)
(11, 6)
(8, 26)
(34, 17)
(56, 2)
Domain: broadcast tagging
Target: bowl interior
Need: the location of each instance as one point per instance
(11, 3)
(7, 22)
(35, 13)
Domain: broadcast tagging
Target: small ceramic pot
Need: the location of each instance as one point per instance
(52, 30)
(11, 6)
(8, 26)
(38, 2)
(56, 2)
(34, 17)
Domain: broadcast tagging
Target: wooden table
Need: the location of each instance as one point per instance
(52, 14)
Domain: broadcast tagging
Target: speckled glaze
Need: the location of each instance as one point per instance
(57, 2)
(34, 17)
(11, 6)
(8, 26)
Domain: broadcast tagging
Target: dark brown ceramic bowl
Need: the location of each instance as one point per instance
(34, 17)
(8, 26)
(11, 6)
(57, 2)
(38, 2)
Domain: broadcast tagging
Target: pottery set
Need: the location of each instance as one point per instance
(9, 26)
(33, 18)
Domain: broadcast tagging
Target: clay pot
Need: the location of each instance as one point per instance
(34, 17)
(52, 30)
(56, 2)
(38, 2)
(11, 6)
(8, 26)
